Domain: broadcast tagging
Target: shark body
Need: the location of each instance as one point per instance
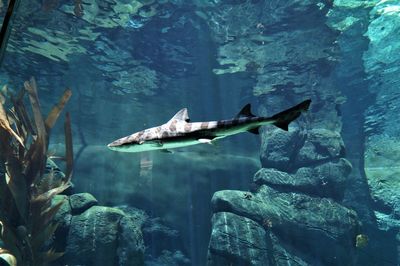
(179, 132)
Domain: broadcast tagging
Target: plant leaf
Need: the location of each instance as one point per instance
(48, 214)
(8, 257)
(41, 237)
(51, 255)
(22, 115)
(35, 161)
(10, 240)
(51, 193)
(3, 93)
(69, 152)
(41, 148)
(56, 110)
(5, 124)
(17, 185)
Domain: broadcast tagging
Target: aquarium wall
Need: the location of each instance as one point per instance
(325, 192)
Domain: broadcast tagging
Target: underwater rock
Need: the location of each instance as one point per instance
(294, 149)
(313, 139)
(278, 150)
(63, 216)
(117, 235)
(318, 226)
(320, 145)
(130, 242)
(285, 254)
(383, 50)
(236, 240)
(327, 180)
(381, 125)
(81, 202)
(153, 228)
(154, 225)
(169, 258)
(104, 236)
(382, 154)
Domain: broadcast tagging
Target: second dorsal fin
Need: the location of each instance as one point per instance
(182, 115)
(245, 112)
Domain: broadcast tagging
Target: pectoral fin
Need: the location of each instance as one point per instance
(254, 130)
(205, 141)
(166, 151)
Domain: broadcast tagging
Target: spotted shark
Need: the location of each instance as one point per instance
(180, 132)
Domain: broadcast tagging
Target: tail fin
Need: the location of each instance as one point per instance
(283, 119)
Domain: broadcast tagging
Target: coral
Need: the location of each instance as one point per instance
(27, 190)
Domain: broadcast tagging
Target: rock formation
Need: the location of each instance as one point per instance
(295, 215)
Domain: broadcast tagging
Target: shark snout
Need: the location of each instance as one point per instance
(113, 144)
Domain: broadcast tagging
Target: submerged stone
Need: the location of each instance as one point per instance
(278, 149)
(81, 202)
(319, 226)
(237, 240)
(95, 238)
(63, 216)
(383, 175)
(328, 179)
(321, 144)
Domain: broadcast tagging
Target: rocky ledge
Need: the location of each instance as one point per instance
(249, 229)
(98, 235)
(89, 234)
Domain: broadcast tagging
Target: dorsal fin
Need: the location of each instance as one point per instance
(245, 112)
(182, 115)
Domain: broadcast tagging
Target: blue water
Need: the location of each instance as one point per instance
(132, 70)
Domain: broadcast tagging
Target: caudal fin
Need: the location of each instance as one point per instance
(283, 119)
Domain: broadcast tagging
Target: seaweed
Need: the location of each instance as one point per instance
(26, 189)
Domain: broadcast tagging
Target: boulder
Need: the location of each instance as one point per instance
(279, 148)
(104, 236)
(327, 180)
(81, 202)
(288, 151)
(236, 240)
(63, 216)
(320, 145)
(285, 254)
(382, 154)
(130, 246)
(170, 258)
(318, 226)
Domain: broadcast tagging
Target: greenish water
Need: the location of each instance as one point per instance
(132, 65)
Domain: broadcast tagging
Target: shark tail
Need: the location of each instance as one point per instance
(283, 119)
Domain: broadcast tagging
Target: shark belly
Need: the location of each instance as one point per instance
(156, 145)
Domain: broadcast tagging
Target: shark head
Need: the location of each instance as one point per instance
(151, 138)
(126, 142)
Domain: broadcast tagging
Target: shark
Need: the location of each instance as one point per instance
(179, 132)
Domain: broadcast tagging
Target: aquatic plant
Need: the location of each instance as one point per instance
(26, 190)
